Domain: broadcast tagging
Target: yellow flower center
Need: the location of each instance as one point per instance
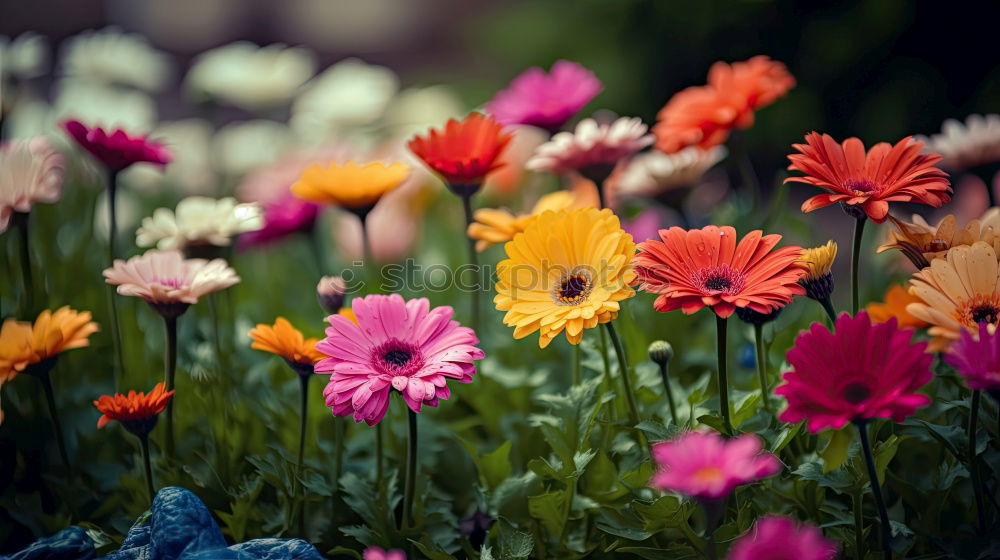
(708, 474)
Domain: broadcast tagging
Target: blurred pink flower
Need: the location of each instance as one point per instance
(706, 465)
(860, 371)
(591, 145)
(376, 553)
(395, 344)
(283, 216)
(116, 150)
(32, 172)
(168, 281)
(647, 224)
(968, 144)
(545, 100)
(775, 536)
(977, 358)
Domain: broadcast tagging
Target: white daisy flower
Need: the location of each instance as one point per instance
(199, 220)
(964, 145)
(346, 95)
(251, 77)
(110, 56)
(653, 173)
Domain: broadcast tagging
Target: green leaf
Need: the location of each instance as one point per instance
(836, 451)
(513, 543)
(884, 452)
(648, 552)
(431, 550)
(343, 550)
(838, 480)
(657, 431)
(548, 508)
(495, 466)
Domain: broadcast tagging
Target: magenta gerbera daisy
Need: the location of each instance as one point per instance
(395, 345)
(707, 466)
(545, 100)
(977, 358)
(857, 372)
(776, 537)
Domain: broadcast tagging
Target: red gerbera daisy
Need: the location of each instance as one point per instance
(866, 182)
(703, 116)
(137, 412)
(706, 267)
(463, 152)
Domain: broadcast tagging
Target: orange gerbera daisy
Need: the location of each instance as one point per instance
(866, 182)
(706, 267)
(703, 116)
(282, 339)
(463, 152)
(23, 344)
(354, 187)
(137, 412)
(896, 300)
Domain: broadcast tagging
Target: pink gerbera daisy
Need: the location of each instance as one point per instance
(395, 344)
(168, 281)
(591, 145)
(977, 358)
(32, 172)
(545, 100)
(116, 149)
(379, 553)
(857, 372)
(706, 466)
(775, 537)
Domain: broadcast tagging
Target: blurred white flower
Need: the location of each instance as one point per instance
(113, 57)
(190, 172)
(199, 220)
(24, 57)
(104, 106)
(243, 146)
(415, 109)
(249, 76)
(652, 173)
(972, 143)
(348, 94)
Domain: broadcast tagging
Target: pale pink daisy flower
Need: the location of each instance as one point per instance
(395, 344)
(545, 100)
(378, 553)
(965, 145)
(776, 537)
(706, 466)
(592, 150)
(168, 281)
(30, 171)
(653, 173)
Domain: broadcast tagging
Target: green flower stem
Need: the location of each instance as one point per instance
(303, 417)
(885, 529)
(859, 524)
(609, 385)
(830, 311)
(379, 459)
(409, 487)
(577, 375)
(977, 482)
(721, 347)
(339, 433)
(758, 335)
(665, 376)
(859, 232)
(21, 221)
(169, 369)
(150, 491)
(473, 261)
(374, 280)
(633, 409)
(50, 400)
(116, 332)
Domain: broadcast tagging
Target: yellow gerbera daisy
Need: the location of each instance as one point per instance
(352, 186)
(495, 225)
(921, 242)
(567, 271)
(819, 260)
(957, 291)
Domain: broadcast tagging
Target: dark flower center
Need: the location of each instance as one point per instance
(860, 187)
(856, 392)
(723, 278)
(397, 357)
(984, 313)
(572, 289)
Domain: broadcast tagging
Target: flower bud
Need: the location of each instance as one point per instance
(661, 352)
(330, 291)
